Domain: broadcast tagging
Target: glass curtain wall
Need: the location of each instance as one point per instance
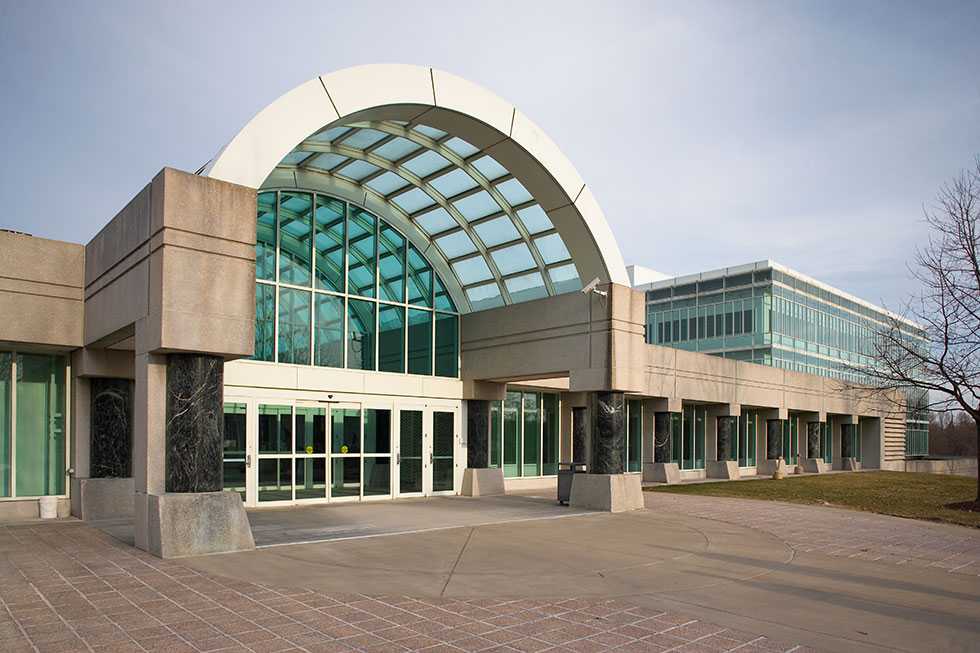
(688, 436)
(525, 434)
(33, 435)
(826, 442)
(748, 425)
(338, 287)
(791, 439)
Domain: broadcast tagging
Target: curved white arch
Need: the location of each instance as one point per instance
(381, 92)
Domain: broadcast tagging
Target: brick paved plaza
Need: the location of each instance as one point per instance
(69, 587)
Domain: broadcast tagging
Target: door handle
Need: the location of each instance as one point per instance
(248, 460)
(430, 457)
(398, 459)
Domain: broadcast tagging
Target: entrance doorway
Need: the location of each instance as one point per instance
(297, 452)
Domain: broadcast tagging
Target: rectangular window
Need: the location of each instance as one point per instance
(550, 440)
(275, 429)
(329, 331)
(329, 242)
(447, 345)
(710, 331)
(496, 432)
(40, 418)
(265, 322)
(676, 449)
(688, 444)
(294, 326)
(532, 433)
(391, 338)
(265, 237)
(729, 325)
(361, 252)
(419, 341)
(233, 454)
(6, 364)
(512, 434)
(295, 238)
(419, 278)
(360, 334)
(391, 264)
(700, 417)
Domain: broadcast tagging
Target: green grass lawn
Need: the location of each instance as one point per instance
(918, 496)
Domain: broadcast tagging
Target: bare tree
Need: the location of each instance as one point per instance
(943, 362)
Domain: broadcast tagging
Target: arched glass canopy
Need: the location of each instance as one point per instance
(495, 237)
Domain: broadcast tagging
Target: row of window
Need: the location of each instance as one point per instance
(32, 424)
(725, 319)
(524, 434)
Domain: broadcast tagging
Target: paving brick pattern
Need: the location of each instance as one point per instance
(840, 532)
(67, 587)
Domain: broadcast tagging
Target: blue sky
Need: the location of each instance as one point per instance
(712, 134)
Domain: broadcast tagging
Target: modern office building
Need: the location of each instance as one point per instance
(390, 283)
(769, 314)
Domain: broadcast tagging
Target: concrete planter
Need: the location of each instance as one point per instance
(815, 466)
(661, 472)
(608, 492)
(195, 523)
(726, 469)
(482, 482)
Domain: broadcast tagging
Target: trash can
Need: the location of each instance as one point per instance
(565, 473)
(48, 507)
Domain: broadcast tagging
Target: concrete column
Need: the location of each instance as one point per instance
(608, 433)
(195, 423)
(80, 423)
(149, 439)
(478, 478)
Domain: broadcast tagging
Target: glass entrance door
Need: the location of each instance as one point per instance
(443, 443)
(426, 451)
(410, 460)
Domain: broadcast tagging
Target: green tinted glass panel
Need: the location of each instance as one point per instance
(345, 477)
(391, 264)
(346, 431)
(496, 432)
(6, 363)
(311, 430)
(550, 435)
(361, 252)
(676, 447)
(447, 345)
(443, 438)
(265, 237)
(442, 299)
(360, 334)
(265, 322)
(311, 478)
(512, 434)
(687, 462)
(233, 454)
(377, 476)
(294, 326)
(275, 429)
(40, 437)
(699, 434)
(419, 278)
(275, 479)
(410, 438)
(377, 430)
(328, 335)
(391, 339)
(329, 243)
(295, 238)
(419, 341)
(532, 433)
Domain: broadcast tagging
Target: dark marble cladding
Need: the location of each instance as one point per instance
(774, 439)
(608, 433)
(726, 431)
(580, 434)
(846, 440)
(477, 433)
(661, 438)
(195, 423)
(111, 428)
(813, 439)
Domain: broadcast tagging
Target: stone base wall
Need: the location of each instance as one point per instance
(482, 482)
(198, 523)
(956, 466)
(29, 509)
(93, 499)
(607, 492)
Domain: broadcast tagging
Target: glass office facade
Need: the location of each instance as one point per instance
(524, 434)
(772, 317)
(33, 424)
(338, 287)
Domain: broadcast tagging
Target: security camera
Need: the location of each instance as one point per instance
(592, 287)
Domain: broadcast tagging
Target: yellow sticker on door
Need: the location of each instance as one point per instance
(309, 448)
(343, 448)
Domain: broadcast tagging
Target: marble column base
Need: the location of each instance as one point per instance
(482, 482)
(727, 469)
(193, 523)
(850, 464)
(607, 492)
(815, 466)
(771, 466)
(93, 499)
(661, 472)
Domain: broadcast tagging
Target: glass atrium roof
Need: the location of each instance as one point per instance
(497, 240)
